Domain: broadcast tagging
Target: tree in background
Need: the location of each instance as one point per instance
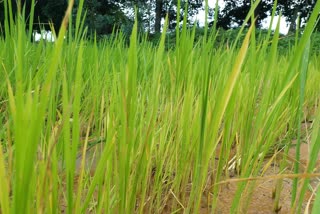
(105, 15)
(51, 11)
(102, 16)
(291, 10)
(45, 12)
(235, 12)
(159, 14)
(163, 7)
(150, 13)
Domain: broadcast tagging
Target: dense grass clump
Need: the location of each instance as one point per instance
(107, 128)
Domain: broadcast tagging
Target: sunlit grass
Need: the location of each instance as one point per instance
(111, 128)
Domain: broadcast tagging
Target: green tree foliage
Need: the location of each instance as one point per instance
(52, 11)
(163, 7)
(234, 13)
(103, 16)
(291, 10)
(45, 12)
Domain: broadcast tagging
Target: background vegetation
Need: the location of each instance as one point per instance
(105, 15)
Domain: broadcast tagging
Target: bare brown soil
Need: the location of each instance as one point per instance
(262, 198)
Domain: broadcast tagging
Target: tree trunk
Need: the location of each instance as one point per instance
(158, 10)
(149, 15)
(293, 19)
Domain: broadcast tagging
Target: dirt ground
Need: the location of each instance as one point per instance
(262, 199)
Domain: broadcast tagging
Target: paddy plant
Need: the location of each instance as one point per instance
(107, 127)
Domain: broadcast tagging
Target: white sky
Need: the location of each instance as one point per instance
(46, 35)
(283, 25)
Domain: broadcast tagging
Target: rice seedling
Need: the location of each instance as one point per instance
(107, 127)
